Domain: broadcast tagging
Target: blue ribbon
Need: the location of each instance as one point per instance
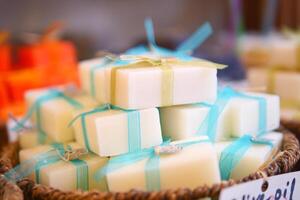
(196, 39)
(209, 125)
(138, 50)
(133, 126)
(150, 32)
(105, 63)
(44, 159)
(182, 51)
(233, 154)
(35, 108)
(152, 173)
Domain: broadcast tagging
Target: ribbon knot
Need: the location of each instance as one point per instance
(168, 149)
(72, 154)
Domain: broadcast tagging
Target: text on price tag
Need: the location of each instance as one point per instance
(281, 187)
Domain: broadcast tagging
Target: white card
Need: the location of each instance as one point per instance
(281, 187)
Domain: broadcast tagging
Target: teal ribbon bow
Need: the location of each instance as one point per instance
(185, 48)
(182, 51)
(209, 125)
(45, 159)
(233, 154)
(36, 108)
(133, 126)
(152, 173)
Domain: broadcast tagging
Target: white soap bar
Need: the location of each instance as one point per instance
(137, 88)
(282, 82)
(240, 116)
(96, 78)
(56, 113)
(254, 50)
(195, 165)
(62, 175)
(255, 157)
(284, 53)
(290, 114)
(273, 50)
(29, 139)
(107, 131)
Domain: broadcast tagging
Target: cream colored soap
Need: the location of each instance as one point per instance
(62, 174)
(86, 79)
(274, 50)
(193, 166)
(290, 114)
(57, 113)
(107, 132)
(138, 88)
(29, 139)
(239, 117)
(284, 53)
(256, 156)
(254, 50)
(286, 84)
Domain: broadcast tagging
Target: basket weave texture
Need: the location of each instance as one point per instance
(27, 189)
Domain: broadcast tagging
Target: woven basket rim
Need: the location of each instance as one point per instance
(283, 163)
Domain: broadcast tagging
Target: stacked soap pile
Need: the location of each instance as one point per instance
(273, 62)
(150, 121)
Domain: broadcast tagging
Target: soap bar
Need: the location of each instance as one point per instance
(193, 166)
(278, 82)
(240, 116)
(64, 175)
(255, 157)
(56, 111)
(254, 50)
(290, 114)
(272, 51)
(91, 75)
(146, 86)
(29, 139)
(115, 132)
(284, 53)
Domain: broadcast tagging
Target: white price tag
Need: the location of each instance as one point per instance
(281, 187)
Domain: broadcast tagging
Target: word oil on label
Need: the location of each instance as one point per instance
(281, 187)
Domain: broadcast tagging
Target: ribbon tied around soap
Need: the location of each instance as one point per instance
(233, 153)
(67, 93)
(57, 153)
(152, 173)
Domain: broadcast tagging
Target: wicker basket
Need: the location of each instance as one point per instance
(283, 162)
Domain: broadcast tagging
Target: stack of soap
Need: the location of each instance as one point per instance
(66, 175)
(192, 166)
(54, 109)
(124, 136)
(255, 157)
(240, 116)
(111, 132)
(145, 86)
